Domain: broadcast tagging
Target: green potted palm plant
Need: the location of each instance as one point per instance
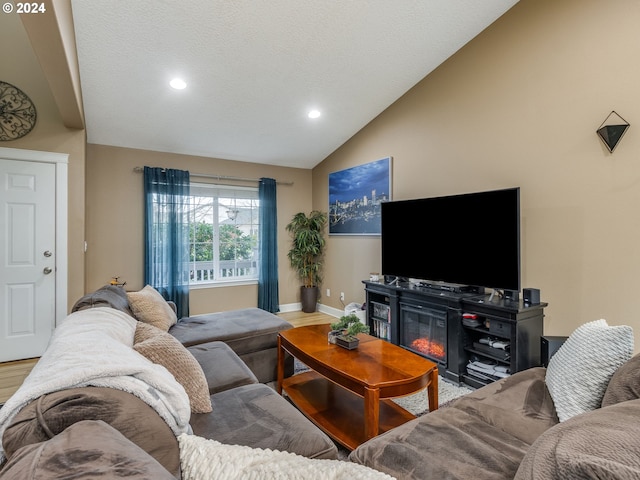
(306, 254)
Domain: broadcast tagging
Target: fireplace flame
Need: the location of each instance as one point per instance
(428, 347)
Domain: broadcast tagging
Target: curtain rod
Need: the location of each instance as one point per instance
(221, 177)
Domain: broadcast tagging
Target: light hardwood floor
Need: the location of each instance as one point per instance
(300, 319)
(12, 374)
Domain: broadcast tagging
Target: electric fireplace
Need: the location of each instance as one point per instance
(424, 331)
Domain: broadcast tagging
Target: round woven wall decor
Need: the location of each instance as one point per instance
(17, 113)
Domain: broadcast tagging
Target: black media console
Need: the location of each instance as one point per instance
(458, 330)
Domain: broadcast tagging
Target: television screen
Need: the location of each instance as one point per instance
(470, 239)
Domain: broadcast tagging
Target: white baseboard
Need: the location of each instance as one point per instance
(291, 307)
(334, 312)
(296, 307)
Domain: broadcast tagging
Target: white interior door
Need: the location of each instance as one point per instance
(27, 257)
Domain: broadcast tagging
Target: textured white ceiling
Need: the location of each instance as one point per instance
(254, 69)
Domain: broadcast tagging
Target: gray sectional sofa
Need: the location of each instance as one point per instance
(242, 410)
(251, 333)
(534, 425)
(512, 429)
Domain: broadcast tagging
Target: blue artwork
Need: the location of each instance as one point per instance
(355, 195)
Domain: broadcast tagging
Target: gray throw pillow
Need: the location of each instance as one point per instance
(86, 450)
(54, 413)
(112, 296)
(602, 444)
(625, 383)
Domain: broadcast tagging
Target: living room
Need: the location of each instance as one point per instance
(517, 106)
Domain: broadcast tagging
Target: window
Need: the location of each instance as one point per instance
(223, 232)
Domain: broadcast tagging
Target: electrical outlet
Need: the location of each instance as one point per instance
(342, 296)
(328, 292)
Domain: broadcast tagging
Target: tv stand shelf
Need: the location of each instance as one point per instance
(500, 320)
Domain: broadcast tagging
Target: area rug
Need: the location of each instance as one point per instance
(418, 403)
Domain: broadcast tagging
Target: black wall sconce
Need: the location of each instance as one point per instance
(612, 130)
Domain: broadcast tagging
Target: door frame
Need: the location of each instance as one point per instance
(61, 161)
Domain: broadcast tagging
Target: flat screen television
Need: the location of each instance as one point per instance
(471, 239)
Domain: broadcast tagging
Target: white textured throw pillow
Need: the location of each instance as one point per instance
(579, 372)
(203, 459)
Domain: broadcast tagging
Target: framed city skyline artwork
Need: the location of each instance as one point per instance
(355, 195)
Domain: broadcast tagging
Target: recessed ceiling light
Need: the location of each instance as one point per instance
(314, 113)
(178, 83)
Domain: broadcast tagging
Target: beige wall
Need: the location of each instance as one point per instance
(115, 209)
(519, 106)
(20, 67)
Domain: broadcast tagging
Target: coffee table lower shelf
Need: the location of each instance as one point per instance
(337, 411)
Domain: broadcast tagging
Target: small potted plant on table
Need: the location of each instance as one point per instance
(344, 332)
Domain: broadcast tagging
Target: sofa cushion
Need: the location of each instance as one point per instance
(165, 350)
(624, 384)
(51, 414)
(86, 450)
(149, 306)
(520, 405)
(264, 364)
(483, 435)
(447, 443)
(263, 419)
(579, 372)
(222, 368)
(604, 443)
(244, 330)
(108, 296)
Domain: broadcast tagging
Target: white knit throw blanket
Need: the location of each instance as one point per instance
(94, 348)
(203, 459)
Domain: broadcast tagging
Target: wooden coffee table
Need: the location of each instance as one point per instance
(347, 392)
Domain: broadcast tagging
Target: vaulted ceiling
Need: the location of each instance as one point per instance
(255, 69)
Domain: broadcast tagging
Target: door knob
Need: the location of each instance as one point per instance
(47, 253)
(47, 270)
